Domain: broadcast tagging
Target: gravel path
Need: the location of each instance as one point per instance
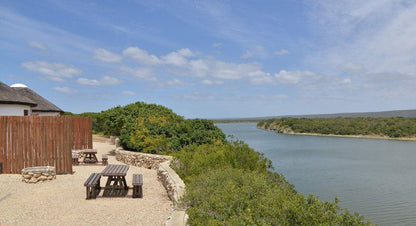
(62, 201)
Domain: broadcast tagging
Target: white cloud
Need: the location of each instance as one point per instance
(88, 82)
(294, 77)
(16, 28)
(246, 55)
(129, 93)
(175, 82)
(212, 82)
(186, 52)
(142, 73)
(184, 62)
(65, 90)
(195, 97)
(106, 56)
(198, 68)
(52, 71)
(371, 42)
(353, 67)
(109, 81)
(216, 44)
(105, 81)
(141, 56)
(177, 58)
(272, 97)
(375, 35)
(281, 52)
(37, 45)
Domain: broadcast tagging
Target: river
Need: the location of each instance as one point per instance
(374, 177)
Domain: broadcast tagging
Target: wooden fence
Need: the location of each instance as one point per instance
(27, 141)
(81, 133)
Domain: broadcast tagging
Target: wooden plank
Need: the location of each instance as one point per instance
(3, 137)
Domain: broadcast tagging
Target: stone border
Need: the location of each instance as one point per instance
(38, 174)
(170, 180)
(149, 161)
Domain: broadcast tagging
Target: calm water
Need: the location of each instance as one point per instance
(376, 178)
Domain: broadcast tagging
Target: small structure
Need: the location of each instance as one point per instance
(44, 107)
(14, 104)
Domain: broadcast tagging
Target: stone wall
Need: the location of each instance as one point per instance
(138, 159)
(173, 184)
(170, 180)
(38, 174)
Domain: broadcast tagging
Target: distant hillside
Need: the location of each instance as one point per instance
(380, 114)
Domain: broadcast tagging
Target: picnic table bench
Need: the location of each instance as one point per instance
(104, 158)
(75, 159)
(116, 183)
(92, 185)
(137, 186)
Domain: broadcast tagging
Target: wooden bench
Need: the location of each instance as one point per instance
(105, 159)
(75, 159)
(137, 186)
(92, 185)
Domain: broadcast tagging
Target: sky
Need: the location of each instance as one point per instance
(214, 59)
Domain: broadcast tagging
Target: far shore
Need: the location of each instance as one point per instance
(349, 136)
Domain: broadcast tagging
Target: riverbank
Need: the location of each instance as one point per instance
(343, 136)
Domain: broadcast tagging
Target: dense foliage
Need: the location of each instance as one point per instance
(391, 127)
(231, 184)
(153, 128)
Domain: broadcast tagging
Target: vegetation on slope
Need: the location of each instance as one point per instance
(390, 127)
(231, 184)
(228, 183)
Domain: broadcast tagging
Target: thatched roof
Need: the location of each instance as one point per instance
(10, 96)
(43, 104)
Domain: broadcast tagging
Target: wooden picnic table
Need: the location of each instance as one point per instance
(90, 156)
(116, 183)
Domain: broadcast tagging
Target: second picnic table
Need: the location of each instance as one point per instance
(116, 183)
(90, 156)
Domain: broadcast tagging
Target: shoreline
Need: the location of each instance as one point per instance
(346, 136)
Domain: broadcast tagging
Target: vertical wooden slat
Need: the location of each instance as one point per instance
(27, 141)
(3, 132)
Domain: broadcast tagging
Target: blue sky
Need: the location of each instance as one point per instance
(214, 59)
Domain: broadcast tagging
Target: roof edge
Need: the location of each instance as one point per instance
(18, 103)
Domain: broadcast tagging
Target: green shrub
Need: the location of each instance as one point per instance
(229, 196)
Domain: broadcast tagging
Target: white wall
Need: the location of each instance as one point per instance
(14, 109)
(46, 113)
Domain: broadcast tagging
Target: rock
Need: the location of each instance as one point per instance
(113, 140)
(33, 180)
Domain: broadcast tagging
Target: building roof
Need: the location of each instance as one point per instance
(43, 104)
(10, 96)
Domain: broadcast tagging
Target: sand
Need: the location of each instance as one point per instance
(62, 201)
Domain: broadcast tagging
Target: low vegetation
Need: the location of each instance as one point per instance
(391, 127)
(228, 183)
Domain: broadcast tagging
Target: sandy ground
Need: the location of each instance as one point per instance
(62, 201)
